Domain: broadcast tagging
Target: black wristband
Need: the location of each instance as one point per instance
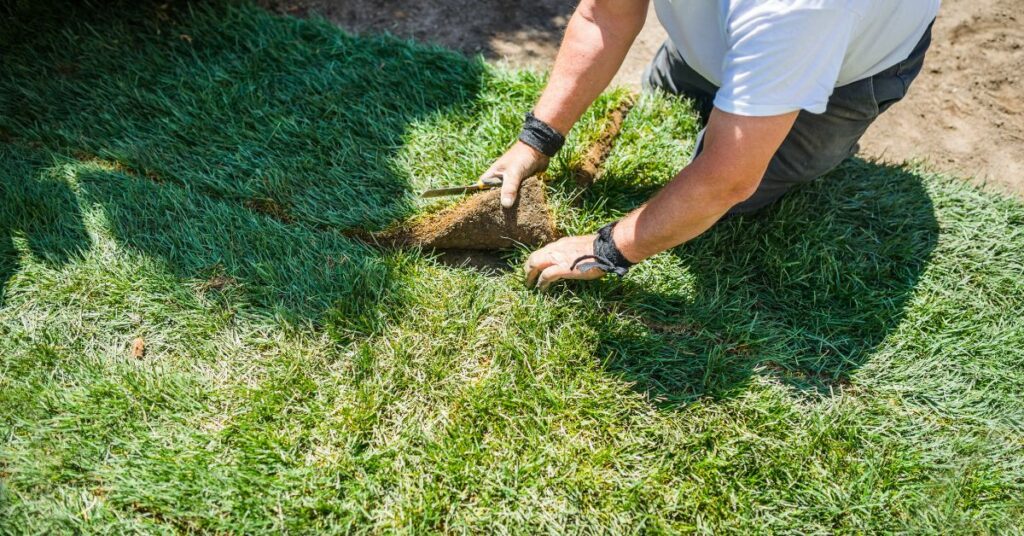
(606, 257)
(541, 136)
(605, 247)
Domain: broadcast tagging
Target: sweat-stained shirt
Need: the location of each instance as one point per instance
(770, 57)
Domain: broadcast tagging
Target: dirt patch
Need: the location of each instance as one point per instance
(218, 282)
(524, 34)
(271, 208)
(138, 348)
(527, 33)
(481, 223)
(964, 114)
(590, 165)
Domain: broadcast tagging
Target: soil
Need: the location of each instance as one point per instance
(269, 207)
(481, 223)
(590, 166)
(964, 114)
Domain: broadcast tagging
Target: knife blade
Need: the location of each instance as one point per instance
(484, 184)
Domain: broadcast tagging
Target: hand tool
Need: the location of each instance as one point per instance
(483, 184)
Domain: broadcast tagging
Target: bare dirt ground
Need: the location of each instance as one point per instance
(965, 113)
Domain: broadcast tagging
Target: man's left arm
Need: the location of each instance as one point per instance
(737, 151)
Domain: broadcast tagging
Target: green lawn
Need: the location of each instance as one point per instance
(852, 360)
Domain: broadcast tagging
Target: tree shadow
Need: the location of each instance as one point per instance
(231, 144)
(38, 208)
(802, 293)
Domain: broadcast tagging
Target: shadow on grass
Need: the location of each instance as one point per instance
(42, 210)
(221, 141)
(293, 118)
(803, 293)
(230, 143)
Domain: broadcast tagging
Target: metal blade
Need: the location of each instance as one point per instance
(486, 184)
(455, 190)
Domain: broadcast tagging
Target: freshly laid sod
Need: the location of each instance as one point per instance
(849, 361)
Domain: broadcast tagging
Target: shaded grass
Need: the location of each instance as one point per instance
(335, 129)
(849, 361)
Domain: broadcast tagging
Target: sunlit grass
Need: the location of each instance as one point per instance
(849, 361)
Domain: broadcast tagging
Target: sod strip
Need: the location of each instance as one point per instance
(587, 170)
(479, 223)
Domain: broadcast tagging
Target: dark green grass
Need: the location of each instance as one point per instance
(849, 361)
(324, 127)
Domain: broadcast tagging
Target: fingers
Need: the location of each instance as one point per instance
(519, 162)
(555, 261)
(551, 274)
(542, 270)
(536, 264)
(558, 272)
(510, 181)
(510, 188)
(494, 171)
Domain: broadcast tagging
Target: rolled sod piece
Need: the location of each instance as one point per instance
(481, 223)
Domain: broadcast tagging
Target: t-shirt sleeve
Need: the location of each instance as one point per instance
(783, 61)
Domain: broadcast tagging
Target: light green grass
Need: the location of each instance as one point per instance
(850, 361)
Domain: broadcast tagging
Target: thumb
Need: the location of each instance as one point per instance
(510, 188)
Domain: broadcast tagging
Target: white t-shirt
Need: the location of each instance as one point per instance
(771, 57)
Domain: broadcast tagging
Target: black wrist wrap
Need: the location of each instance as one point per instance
(541, 136)
(606, 257)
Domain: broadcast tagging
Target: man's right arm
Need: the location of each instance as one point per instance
(596, 41)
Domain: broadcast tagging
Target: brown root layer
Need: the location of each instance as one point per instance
(589, 167)
(481, 223)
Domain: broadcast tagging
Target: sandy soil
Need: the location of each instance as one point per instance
(965, 113)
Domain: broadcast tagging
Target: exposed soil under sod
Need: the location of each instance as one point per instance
(588, 169)
(481, 223)
(462, 233)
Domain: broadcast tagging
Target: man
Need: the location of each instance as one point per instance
(785, 88)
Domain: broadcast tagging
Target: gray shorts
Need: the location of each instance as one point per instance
(818, 142)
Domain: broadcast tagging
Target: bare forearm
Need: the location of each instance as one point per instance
(681, 211)
(736, 154)
(737, 151)
(596, 41)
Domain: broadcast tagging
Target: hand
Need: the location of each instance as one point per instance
(519, 162)
(554, 262)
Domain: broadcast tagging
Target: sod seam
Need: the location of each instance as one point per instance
(593, 160)
(294, 381)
